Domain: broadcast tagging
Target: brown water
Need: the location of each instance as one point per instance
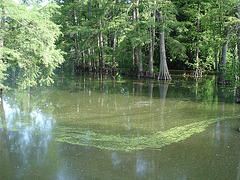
(95, 127)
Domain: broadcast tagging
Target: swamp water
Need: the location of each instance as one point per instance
(95, 127)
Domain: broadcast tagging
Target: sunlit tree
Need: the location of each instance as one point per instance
(28, 42)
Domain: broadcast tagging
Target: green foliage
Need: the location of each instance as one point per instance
(232, 71)
(29, 42)
(3, 74)
(93, 32)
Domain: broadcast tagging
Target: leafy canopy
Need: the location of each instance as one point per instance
(28, 36)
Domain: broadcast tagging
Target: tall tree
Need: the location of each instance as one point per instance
(163, 68)
(29, 37)
(89, 34)
(75, 35)
(198, 70)
(229, 27)
(151, 38)
(124, 33)
(139, 48)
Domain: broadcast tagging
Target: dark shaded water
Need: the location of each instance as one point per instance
(95, 127)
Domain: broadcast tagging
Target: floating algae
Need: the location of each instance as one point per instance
(125, 142)
(129, 143)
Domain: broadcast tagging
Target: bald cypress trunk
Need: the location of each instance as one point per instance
(102, 48)
(150, 63)
(75, 37)
(114, 49)
(114, 68)
(83, 54)
(134, 49)
(89, 35)
(82, 48)
(151, 45)
(223, 63)
(197, 72)
(163, 69)
(138, 49)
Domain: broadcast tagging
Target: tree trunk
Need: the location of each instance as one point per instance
(151, 46)
(114, 49)
(89, 57)
(135, 56)
(235, 55)
(99, 53)
(224, 55)
(215, 45)
(114, 68)
(215, 50)
(82, 48)
(140, 66)
(83, 54)
(223, 62)
(89, 35)
(197, 72)
(163, 68)
(76, 50)
(93, 61)
(75, 36)
(102, 48)
(150, 64)
(137, 31)
(216, 59)
(153, 29)
(198, 27)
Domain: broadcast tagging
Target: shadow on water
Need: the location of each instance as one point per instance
(93, 126)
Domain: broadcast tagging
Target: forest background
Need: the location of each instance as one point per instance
(141, 37)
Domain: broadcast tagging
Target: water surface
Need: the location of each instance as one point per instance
(100, 127)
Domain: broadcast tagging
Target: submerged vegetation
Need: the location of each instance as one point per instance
(122, 116)
(129, 143)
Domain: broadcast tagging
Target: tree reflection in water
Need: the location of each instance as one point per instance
(27, 136)
(96, 120)
(5, 159)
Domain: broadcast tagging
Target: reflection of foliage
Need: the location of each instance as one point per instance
(90, 112)
(118, 142)
(27, 137)
(31, 100)
(203, 90)
(93, 111)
